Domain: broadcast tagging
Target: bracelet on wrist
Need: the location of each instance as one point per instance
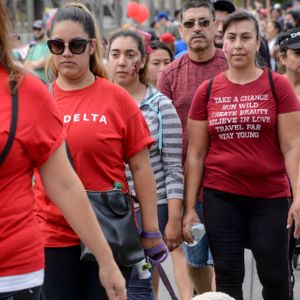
(151, 235)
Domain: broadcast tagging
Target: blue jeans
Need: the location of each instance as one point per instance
(141, 289)
(199, 255)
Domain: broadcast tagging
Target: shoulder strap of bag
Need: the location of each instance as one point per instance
(271, 81)
(155, 108)
(209, 89)
(272, 84)
(13, 123)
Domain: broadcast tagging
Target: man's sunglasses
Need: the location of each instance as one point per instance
(76, 46)
(200, 22)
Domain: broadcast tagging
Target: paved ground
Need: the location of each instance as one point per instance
(249, 284)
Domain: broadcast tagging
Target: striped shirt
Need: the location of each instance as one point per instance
(166, 162)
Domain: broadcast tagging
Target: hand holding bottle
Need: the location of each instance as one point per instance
(197, 231)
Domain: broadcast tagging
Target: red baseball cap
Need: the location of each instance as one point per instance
(167, 37)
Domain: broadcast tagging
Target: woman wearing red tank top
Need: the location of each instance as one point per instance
(243, 140)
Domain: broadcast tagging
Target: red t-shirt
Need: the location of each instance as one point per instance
(180, 79)
(105, 127)
(39, 133)
(244, 155)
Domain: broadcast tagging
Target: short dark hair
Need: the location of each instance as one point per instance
(196, 4)
(239, 16)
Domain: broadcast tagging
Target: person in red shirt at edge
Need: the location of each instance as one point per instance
(38, 142)
(243, 143)
(105, 129)
(179, 82)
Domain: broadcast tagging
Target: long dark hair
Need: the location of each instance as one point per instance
(140, 44)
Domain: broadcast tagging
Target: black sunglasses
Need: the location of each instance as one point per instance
(76, 46)
(200, 22)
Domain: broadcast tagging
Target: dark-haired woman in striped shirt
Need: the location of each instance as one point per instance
(126, 62)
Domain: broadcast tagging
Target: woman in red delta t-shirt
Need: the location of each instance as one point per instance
(38, 142)
(242, 142)
(105, 130)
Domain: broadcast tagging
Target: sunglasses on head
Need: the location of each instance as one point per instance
(76, 46)
(200, 22)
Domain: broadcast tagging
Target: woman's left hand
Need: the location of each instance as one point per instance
(112, 280)
(173, 234)
(294, 215)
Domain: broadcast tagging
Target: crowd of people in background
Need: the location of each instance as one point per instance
(196, 115)
(164, 27)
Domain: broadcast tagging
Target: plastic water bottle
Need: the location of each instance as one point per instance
(197, 232)
(143, 268)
